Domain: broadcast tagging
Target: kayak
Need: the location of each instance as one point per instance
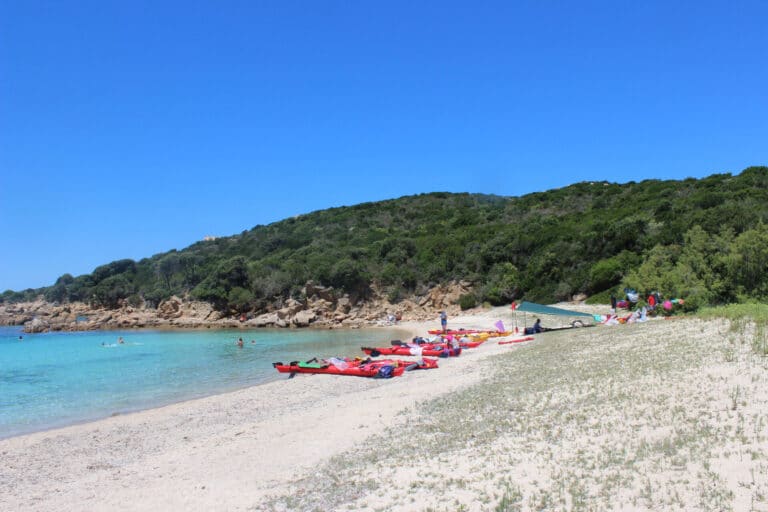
(427, 364)
(517, 340)
(440, 345)
(383, 368)
(479, 336)
(471, 332)
(433, 350)
(379, 369)
(472, 343)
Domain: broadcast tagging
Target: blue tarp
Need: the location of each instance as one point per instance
(540, 309)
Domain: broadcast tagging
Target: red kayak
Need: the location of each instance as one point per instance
(518, 340)
(383, 368)
(445, 340)
(433, 350)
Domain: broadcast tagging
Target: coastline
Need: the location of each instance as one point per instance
(319, 307)
(253, 369)
(545, 424)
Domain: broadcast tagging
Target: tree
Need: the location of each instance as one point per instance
(229, 275)
(167, 267)
(239, 299)
(112, 290)
(748, 262)
(351, 276)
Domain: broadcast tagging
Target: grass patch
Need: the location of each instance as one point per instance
(746, 319)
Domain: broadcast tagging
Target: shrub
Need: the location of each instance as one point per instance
(467, 301)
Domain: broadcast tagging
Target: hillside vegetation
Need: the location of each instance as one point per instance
(704, 240)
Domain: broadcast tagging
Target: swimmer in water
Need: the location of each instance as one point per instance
(240, 342)
(120, 340)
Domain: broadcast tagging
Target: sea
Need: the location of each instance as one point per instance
(56, 379)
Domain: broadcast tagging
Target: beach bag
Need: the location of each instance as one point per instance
(385, 372)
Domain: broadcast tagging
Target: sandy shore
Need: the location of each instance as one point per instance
(666, 415)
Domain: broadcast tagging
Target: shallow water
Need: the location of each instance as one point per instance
(56, 379)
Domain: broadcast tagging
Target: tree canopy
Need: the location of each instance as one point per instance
(705, 240)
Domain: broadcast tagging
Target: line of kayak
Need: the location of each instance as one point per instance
(448, 346)
(379, 368)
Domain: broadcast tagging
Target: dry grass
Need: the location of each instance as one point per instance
(667, 415)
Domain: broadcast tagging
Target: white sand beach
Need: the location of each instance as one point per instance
(665, 415)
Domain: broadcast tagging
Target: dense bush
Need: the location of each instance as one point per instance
(704, 240)
(467, 301)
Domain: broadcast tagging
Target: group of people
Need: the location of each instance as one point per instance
(632, 299)
(393, 319)
(240, 343)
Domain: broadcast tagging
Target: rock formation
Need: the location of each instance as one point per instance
(317, 306)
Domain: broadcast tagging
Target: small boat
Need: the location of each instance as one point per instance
(470, 332)
(382, 368)
(517, 340)
(404, 350)
(441, 344)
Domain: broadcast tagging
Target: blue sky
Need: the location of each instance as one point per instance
(132, 128)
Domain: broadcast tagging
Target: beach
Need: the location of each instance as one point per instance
(663, 415)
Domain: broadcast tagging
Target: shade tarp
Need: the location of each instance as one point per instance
(540, 309)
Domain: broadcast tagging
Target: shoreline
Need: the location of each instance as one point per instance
(631, 417)
(189, 397)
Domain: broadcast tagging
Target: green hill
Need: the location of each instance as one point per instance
(704, 240)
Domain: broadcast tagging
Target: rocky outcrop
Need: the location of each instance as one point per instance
(170, 308)
(317, 306)
(303, 318)
(36, 325)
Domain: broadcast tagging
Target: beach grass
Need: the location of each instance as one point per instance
(648, 416)
(749, 320)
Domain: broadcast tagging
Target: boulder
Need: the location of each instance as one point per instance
(311, 290)
(170, 308)
(321, 305)
(265, 320)
(343, 305)
(36, 325)
(303, 318)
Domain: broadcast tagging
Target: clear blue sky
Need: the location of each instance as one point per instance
(132, 128)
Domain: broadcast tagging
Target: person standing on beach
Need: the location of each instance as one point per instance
(444, 321)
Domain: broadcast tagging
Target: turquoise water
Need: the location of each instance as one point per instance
(56, 379)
